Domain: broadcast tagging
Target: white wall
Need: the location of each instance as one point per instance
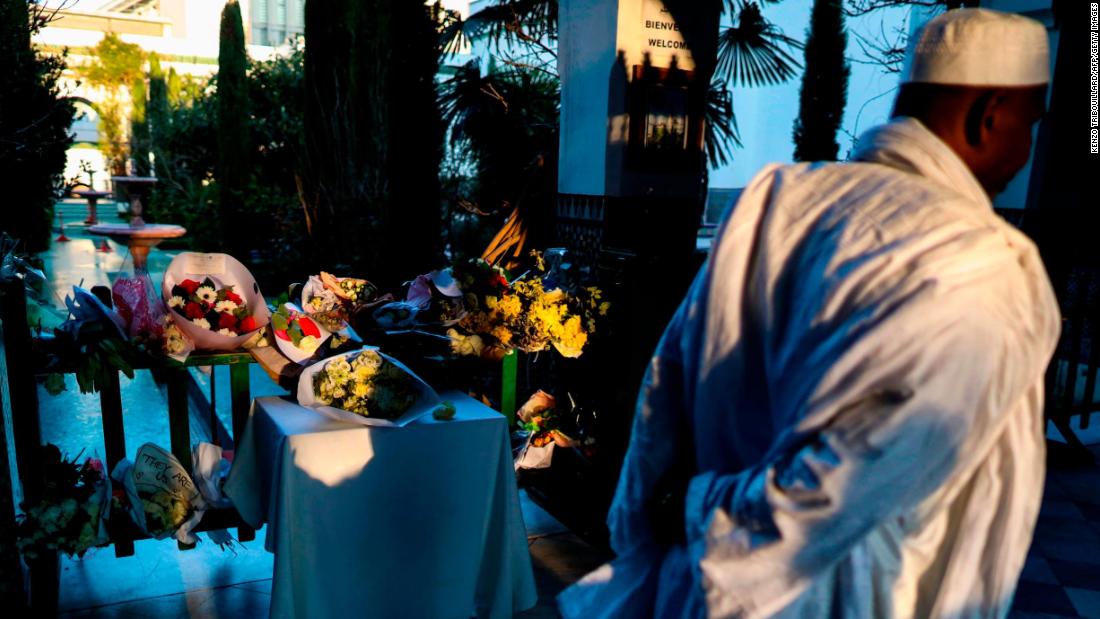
(586, 55)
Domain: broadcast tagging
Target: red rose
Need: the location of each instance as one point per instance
(189, 285)
(248, 323)
(227, 321)
(308, 328)
(193, 310)
(234, 297)
(95, 464)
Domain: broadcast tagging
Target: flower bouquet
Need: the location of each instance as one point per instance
(540, 421)
(297, 335)
(69, 517)
(331, 300)
(437, 297)
(396, 316)
(136, 299)
(366, 386)
(522, 314)
(175, 343)
(163, 500)
(94, 338)
(214, 300)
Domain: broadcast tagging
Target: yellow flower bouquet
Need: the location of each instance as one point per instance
(525, 315)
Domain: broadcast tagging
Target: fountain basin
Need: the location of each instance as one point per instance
(140, 239)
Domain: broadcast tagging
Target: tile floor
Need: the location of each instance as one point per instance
(1061, 577)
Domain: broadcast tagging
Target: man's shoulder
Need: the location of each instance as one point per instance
(870, 199)
(866, 220)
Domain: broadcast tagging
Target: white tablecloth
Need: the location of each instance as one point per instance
(420, 521)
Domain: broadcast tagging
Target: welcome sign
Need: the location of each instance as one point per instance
(661, 35)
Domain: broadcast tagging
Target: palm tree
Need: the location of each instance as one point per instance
(507, 119)
(533, 22)
(751, 52)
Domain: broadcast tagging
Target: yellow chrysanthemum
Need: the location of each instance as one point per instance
(502, 334)
(510, 307)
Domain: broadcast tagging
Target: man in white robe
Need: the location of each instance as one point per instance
(844, 417)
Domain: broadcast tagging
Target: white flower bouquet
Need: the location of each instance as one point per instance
(164, 501)
(331, 300)
(71, 515)
(367, 387)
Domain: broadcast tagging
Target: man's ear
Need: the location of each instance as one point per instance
(981, 117)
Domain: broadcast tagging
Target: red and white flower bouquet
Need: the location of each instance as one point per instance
(214, 300)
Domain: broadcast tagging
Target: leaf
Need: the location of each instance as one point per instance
(54, 384)
(279, 322)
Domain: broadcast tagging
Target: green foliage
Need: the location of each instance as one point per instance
(824, 85)
(503, 120)
(186, 151)
(233, 144)
(275, 95)
(157, 114)
(112, 136)
(115, 67)
(751, 52)
(116, 63)
(34, 126)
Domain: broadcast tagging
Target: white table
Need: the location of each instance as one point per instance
(420, 521)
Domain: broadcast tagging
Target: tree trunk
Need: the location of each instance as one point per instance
(373, 137)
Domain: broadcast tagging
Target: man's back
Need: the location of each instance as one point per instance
(856, 373)
(841, 275)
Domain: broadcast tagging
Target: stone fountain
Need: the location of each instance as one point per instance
(92, 197)
(139, 236)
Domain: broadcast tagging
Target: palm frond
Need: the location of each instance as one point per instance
(754, 51)
(722, 134)
(473, 101)
(512, 20)
(455, 33)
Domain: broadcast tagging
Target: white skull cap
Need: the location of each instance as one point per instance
(978, 47)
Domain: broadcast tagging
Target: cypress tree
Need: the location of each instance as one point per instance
(157, 113)
(139, 128)
(824, 85)
(232, 93)
(34, 128)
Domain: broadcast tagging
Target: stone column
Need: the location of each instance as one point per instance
(631, 183)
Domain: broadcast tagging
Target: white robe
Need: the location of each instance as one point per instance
(859, 365)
